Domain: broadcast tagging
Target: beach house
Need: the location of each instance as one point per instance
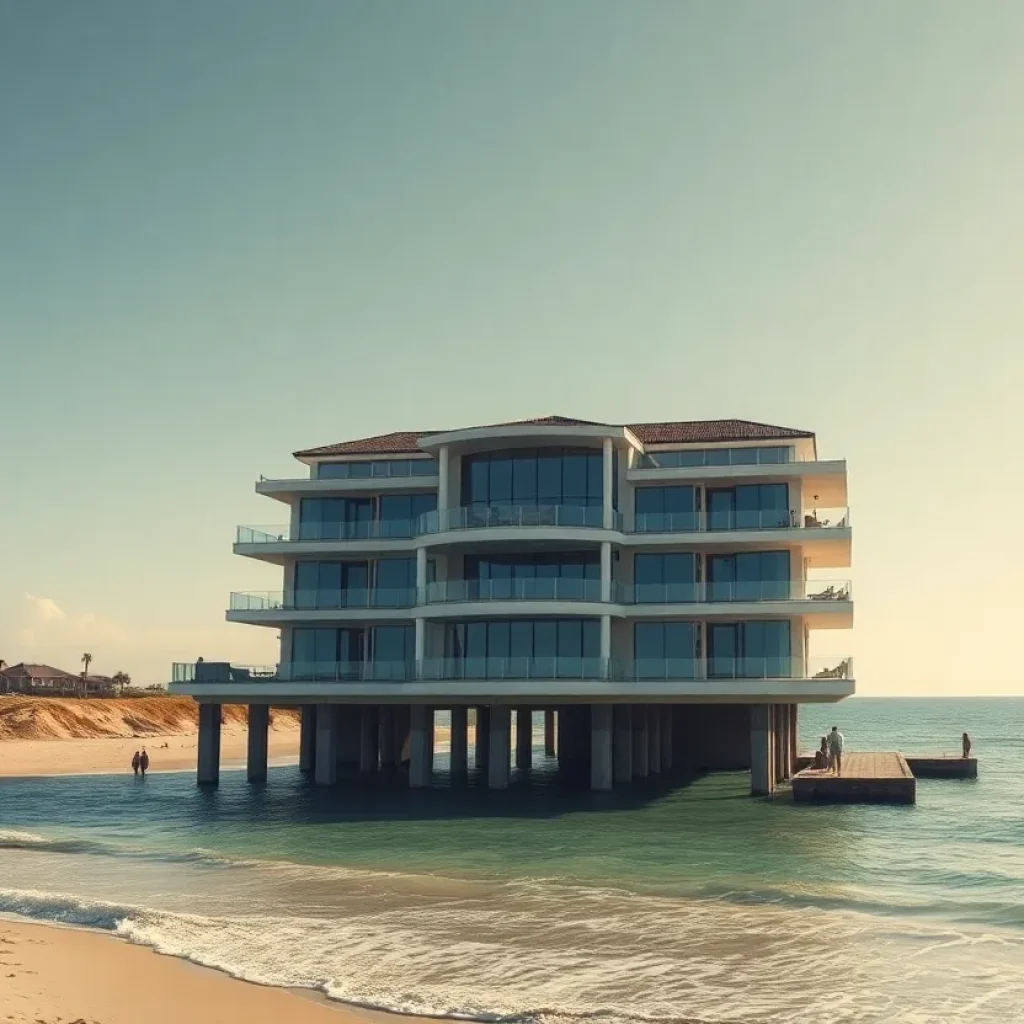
(653, 589)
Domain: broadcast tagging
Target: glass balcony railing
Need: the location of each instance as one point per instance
(490, 516)
(322, 600)
(597, 669)
(546, 589)
(740, 519)
(732, 591)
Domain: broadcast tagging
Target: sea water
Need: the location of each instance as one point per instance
(661, 903)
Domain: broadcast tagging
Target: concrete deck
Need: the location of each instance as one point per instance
(868, 777)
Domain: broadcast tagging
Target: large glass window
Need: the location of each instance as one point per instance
(394, 646)
(749, 576)
(533, 476)
(755, 650)
(334, 518)
(749, 507)
(399, 513)
(665, 650)
(768, 455)
(331, 584)
(661, 509)
(328, 653)
(662, 578)
(380, 468)
(533, 648)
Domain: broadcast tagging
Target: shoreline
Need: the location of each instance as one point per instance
(57, 972)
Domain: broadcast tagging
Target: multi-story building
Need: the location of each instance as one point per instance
(652, 588)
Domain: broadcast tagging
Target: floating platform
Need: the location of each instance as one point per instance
(943, 767)
(868, 777)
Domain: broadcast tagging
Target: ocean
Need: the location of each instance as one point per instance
(691, 903)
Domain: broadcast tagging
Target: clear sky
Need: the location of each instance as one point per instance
(230, 230)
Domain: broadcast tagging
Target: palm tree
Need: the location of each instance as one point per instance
(121, 680)
(86, 659)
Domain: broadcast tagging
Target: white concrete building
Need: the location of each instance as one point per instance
(652, 588)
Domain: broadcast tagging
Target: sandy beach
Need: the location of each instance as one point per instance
(52, 975)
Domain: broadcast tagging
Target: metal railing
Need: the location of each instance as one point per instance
(322, 600)
(740, 519)
(442, 669)
(536, 589)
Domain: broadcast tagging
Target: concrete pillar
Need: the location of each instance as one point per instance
(654, 739)
(420, 761)
(420, 645)
(369, 737)
(458, 744)
(498, 755)
(667, 760)
(762, 782)
(606, 644)
(640, 744)
(432, 734)
(208, 763)
(607, 482)
(325, 771)
(549, 732)
(524, 739)
(482, 737)
(386, 736)
(606, 571)
(600, 746)
(259, 723)
(622, 759)
(307, 738)
(349, 734)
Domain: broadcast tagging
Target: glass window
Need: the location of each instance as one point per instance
(395, 576)
(476, 481)
(524, 480)
(570, 638)
(393, 643)
(549, 480)
(498, 639)
(665, 508)
(500, 480)
(533, 476)
(360, 470)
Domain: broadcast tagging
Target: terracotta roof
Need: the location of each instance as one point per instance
(405, 442)
(23, 671)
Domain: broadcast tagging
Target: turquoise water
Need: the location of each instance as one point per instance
(663, 904)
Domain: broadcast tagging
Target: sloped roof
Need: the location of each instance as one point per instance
(406, 442)
(22, 670)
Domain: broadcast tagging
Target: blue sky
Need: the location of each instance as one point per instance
(233, 230)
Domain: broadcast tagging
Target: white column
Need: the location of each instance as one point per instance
(761, 781)
(606, 477)
(600, 746)
(622, 760)
(259, 722)
(421, 574)
(208, 765)
(606, 571)
(606, 641)
(325, 772)
(442, 478)
(498, 755)
(419, 746)
(421, 645)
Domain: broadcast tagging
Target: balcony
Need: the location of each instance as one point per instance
(516, 517)
(321, 600)
(585, 669)
(741, 519)
(536, 589)
(838, 591)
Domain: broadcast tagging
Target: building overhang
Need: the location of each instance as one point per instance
(529, 435)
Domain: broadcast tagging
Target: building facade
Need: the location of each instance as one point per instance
(653, 588)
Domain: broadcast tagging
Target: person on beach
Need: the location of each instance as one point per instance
(835, 750)
(821, 759)
(136, 761)
(965, 743)
(144, 761)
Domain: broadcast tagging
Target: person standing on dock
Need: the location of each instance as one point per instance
(835, 749)
(965, 742)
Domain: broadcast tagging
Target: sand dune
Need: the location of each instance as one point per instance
(70, 718)
(67, 735)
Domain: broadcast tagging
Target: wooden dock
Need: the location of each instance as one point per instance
(868, 777)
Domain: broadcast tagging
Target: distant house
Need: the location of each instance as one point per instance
(45, 680)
